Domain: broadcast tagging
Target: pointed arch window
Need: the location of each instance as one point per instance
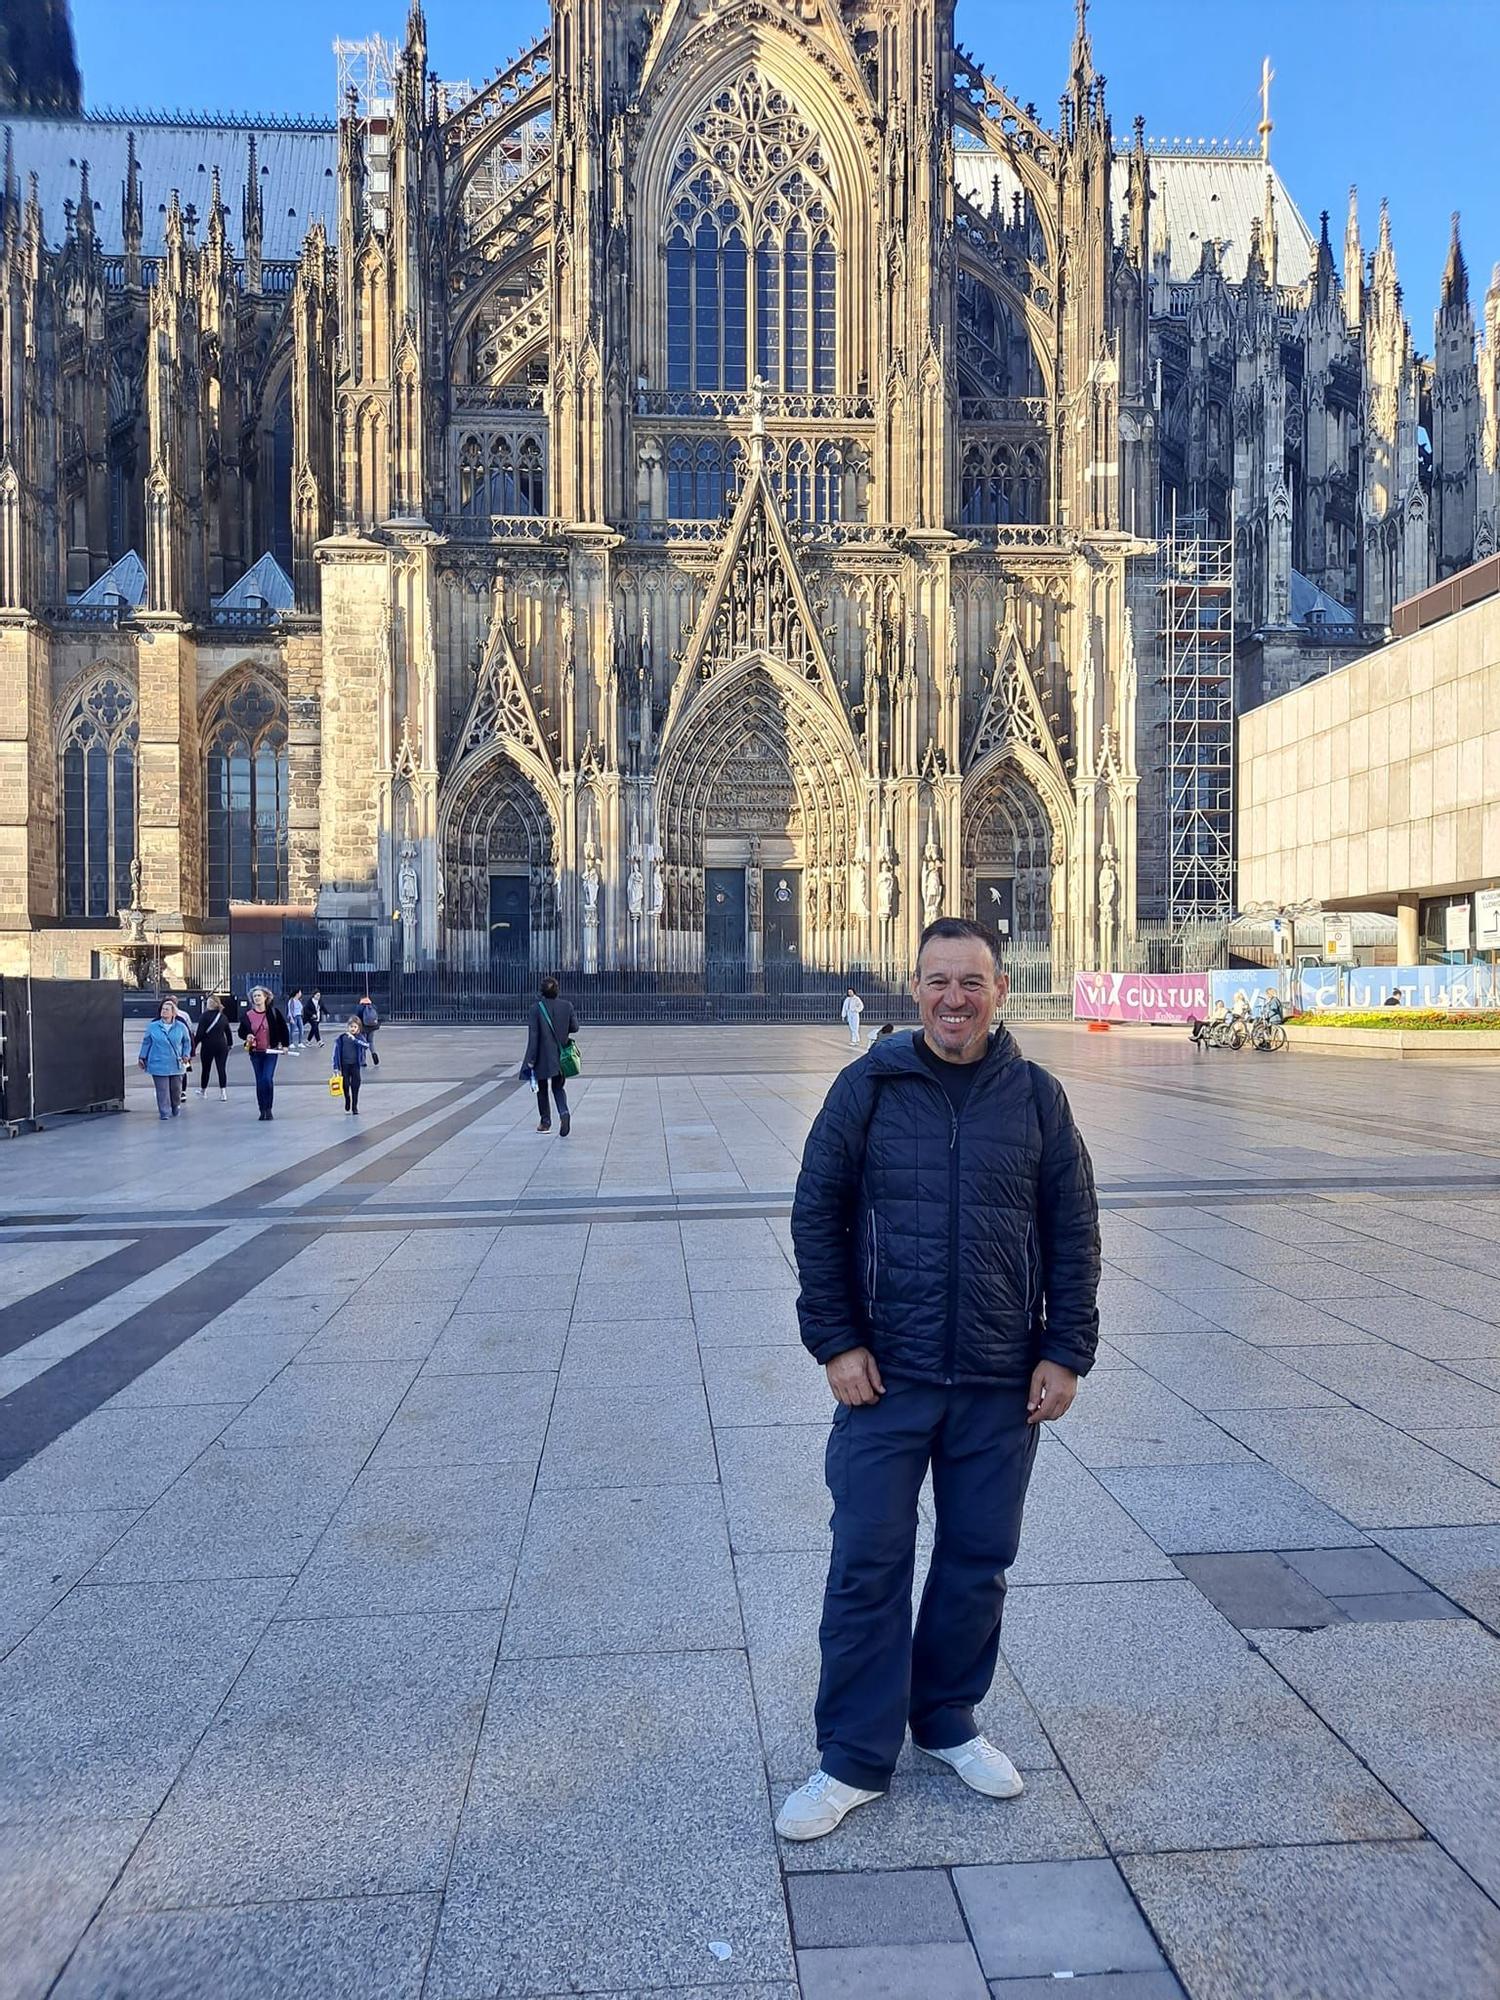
(751, 170)
(246, 797)
(97, 758)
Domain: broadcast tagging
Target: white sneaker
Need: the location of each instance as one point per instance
(982, 1767)
(818, 1807)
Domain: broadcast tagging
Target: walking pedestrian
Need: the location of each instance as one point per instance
(213, 1038)
(263, 1031)
(850, 1012)
(294, 1020)
(312, 1015)
(166, 1051)
(349, 1051)
(552, 1026)
(947, 1241)
(369, 1021)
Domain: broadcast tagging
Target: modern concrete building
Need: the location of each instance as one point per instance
(1378, 787)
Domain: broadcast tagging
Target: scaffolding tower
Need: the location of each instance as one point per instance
(1197, 577)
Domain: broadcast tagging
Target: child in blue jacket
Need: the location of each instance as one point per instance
(349, 1052)
(166, 1051)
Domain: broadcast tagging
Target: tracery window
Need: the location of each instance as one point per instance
(751, 169)
(999, 483)
(703, 477)
(246, 797)
(97, 754)
(502, 475)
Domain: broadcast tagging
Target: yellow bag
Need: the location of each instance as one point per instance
(335, 1086)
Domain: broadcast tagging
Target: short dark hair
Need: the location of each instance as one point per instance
(954, 928)
(549, 988)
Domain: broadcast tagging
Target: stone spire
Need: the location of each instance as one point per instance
(1354, 264)
(1324, 278)
(1455, 295)
(131, 214)
(252, 220)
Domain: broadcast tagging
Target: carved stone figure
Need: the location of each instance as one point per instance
(589, 882)
(859, 886)
(885, 888)
(635, 890)
(1108, 883)
(932, 883)
(658, 889)
(408, 883)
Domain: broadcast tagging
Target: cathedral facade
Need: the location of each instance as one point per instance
(698, 497)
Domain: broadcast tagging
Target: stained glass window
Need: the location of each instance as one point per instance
(98, 757)
(245, 797)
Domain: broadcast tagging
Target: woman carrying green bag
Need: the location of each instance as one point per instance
(551, 1055)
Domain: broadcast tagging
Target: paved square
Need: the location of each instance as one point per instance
(413, 1536)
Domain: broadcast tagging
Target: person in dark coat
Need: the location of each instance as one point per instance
(312, 1014)
(263, 1031)
(947, 1241)
(213, 1038)
(552, 1022)
(349, 1051)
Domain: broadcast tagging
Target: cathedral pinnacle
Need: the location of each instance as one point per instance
(1455, 295)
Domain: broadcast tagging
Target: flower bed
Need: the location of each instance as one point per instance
(1412, 1019)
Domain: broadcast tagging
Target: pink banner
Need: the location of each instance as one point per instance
(1140, 996)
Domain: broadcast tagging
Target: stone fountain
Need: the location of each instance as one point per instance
(136, 954)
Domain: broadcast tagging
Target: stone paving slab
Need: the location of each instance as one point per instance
(335, 1768)
(572, 1886)
(215, 1370)
(52, 1880)
(235, 1513)
(418, 1539)
(42, 1556)
(1464, 1563)
(1093, 1986)
(323, 1403)
(766, 1385)
(1377, 1921)
(495, 1420)
(115, 1459)
(886, 1906)
(497, 1343)
(1375, 1476)
(1054, 1920)
(774, 1491)
(618, 1434)
(1175, 1733)
(1479, 1450)
(623, 1570)
(371, 1948)
(1420, 1703)
(105, 1699)
(1234, 1373)
(1075, 1531)
(892, 1972)
(1204, 1509)
(1125, 1418)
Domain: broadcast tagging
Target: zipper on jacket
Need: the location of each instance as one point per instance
(872, 1262)
(950, 1354)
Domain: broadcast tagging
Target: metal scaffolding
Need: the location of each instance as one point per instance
(1197, 577)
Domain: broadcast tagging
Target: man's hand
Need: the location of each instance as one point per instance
(854, 1378)
(1053, 1388)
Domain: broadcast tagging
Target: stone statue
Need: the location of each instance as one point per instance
(1058, 887)
(589, 881)
(859, 886)
(885, 888)
(408, 887)
(635, 890)
(658, 889)
(1108, 882)
(932, 883)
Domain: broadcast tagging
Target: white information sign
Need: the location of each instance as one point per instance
(1487, 920)
(1338, 940)
(1456, 927)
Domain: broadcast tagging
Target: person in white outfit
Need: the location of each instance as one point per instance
(851, 1010)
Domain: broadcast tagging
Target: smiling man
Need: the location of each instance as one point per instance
(947, 1240)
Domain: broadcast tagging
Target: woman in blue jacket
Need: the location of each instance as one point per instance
(166, 1051)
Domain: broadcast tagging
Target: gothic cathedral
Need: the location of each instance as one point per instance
(699, 495)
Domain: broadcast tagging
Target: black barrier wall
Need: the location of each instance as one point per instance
(63, 1048)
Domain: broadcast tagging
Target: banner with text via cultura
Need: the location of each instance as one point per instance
(1160, 997)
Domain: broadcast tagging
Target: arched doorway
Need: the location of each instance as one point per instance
(1014, 859)
(498, 846)
(758, 817)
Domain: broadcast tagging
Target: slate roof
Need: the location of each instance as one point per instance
(1309, 602)
(298, 174)
(124, 582)
(1194, 194)
(264, 585)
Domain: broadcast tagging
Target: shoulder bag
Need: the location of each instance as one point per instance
(569, 1055)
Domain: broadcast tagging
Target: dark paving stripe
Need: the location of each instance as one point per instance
(288, 1179)
(42, 1310)
(389, 1167)
(41, 1410)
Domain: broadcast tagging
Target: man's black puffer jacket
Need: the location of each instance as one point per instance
(957, 1249)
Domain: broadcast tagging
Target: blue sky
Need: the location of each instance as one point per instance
(1387, 93)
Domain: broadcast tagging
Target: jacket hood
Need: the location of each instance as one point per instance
(897, 1054)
